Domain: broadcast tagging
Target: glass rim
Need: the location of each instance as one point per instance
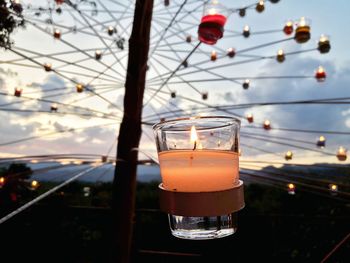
(234, 120)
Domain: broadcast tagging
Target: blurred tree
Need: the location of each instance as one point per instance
(10, 18)
(14, 186)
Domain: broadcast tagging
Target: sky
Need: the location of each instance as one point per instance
(97, 134)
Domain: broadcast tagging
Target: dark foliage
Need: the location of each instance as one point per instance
(10, 18)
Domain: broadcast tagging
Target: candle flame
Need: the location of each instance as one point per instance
(320, 70)
(194, 136)
(302, 21)
(289, 23)
(334, 187)
(341, 150)
(212, 11)
(323, 38)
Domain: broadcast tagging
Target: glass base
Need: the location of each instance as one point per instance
(203, 228)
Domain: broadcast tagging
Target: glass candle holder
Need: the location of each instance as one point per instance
(199, 165)
(211, 27)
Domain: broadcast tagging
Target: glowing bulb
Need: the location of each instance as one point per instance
(246, 28)
(322, 139)
(291, 186)
(280, 52)
(2, 180)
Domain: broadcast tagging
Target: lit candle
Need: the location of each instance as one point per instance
(2, 181)
(323, 44)
(246, 84)
(267, 125)
(34, 184)
(200, 176)
(280, 56)
(18, 92)
(213, 55)
(110, 30)
(291, 189)
(341, 154)
(57, 34)
(250, 117)
(288, 28)
(320, 74)
(98, 54)
(333, 187)
(47, 67)
(80, 88)
(260, 7)
(246, 31)
(321, 141)
(231, 52)
(212, 23)
(198, 170)
(288, 155)
(302, 32)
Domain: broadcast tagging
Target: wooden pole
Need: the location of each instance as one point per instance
(124, 184)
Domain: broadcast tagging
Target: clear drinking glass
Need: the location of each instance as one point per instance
(199, 155)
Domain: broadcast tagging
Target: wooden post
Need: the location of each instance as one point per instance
(124, 184)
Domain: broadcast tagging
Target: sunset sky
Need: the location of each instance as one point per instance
(97, 134)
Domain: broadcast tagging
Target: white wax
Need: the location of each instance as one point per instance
(198, 170)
